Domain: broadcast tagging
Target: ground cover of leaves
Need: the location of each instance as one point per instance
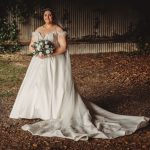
(118, 81)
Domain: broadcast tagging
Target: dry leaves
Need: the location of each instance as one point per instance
(119, 82)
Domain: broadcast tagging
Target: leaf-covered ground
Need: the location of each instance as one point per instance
(118, 81)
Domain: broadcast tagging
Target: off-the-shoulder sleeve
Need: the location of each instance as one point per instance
(34, 36)
(62, 33)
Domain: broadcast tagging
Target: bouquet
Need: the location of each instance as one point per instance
(44, 47)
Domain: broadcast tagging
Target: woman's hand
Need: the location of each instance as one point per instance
(41, 56)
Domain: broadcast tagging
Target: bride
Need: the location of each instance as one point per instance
(48, 92)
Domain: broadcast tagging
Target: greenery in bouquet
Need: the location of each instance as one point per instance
(44, 47)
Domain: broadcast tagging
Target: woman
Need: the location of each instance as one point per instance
(48, 92)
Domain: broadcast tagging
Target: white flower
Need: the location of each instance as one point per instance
(40, 53)
(46, 46)
(46, 42)
(36, 44)
(41, 43)
(51, 51)
(47, 51)
(38, 48)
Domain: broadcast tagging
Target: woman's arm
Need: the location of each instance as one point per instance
(62, 43)
(31, 49)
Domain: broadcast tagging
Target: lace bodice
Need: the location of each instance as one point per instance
(52, 36)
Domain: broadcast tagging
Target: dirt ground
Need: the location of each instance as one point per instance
(118, 81)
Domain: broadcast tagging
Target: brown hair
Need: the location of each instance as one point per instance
(52, 12)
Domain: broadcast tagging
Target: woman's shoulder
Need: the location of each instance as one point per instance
(60, 30)
(38, 29)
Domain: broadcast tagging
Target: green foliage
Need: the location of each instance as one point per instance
(8, 36)
(143, 35)
(24, 9)
(143, 47)
(8, 31)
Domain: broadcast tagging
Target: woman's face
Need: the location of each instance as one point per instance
(48, 16)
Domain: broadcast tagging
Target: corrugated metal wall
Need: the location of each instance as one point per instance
(80, 21)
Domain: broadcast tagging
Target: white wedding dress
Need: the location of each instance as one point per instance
(48, 92)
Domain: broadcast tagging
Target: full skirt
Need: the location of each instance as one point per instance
(48, 92)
